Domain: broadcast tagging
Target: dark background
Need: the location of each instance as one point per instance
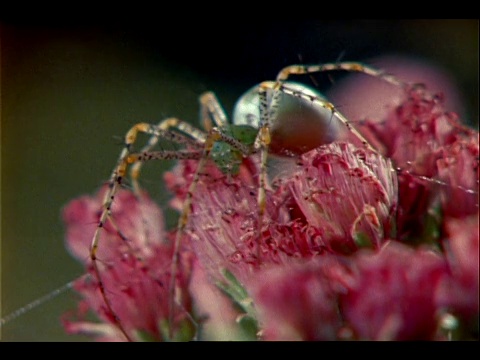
(70, 92)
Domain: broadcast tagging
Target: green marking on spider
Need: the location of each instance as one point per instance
(228, 158)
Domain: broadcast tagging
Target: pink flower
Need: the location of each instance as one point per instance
(140, 221)
(217, 313)
(460, 291)
(391, 293)
(300, 301)
(337, 194)
(459, 168)
(425, 134)
(346, 193)
(135, 268)
(371, 295)
(333, 257)
(364, 97)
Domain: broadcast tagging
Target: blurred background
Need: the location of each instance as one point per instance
(70, 92)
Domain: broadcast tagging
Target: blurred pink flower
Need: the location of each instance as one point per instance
(429, 144)
(364, 97)
(391, 293)
(459, 168)
(300, 301)
(371, 295)
(460, 291)
(135, 268)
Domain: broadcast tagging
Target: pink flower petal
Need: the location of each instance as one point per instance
(344, 191)
(140, 221)
(460, 292)
(391, 294)
(300, 301)
(459, 168)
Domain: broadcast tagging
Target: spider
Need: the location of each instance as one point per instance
(226, 144)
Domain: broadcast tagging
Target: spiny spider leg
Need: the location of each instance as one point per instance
(263, 139)
(195, 138)
(214, 135)
(279, 87)
(287, 71)
(175, 131)
(163, 130)
(210, 110)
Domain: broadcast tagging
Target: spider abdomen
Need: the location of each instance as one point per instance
(298, 125)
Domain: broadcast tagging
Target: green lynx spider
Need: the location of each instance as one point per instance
(219, 136)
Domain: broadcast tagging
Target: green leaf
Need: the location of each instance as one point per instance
(362, 240)
(186, 331)
(247, 320)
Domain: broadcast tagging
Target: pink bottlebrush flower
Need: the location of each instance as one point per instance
(423, 134)
(391, 293)
(337, 193)
(347, 193)
(222, 220)
(307, 218)
(134, 266)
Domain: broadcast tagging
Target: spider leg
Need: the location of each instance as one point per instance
(261, 144)
(214, 135)
(287, 71)
(279, 87)
(211, 110)
(213, 118)
(185, 134)
(116, 178)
